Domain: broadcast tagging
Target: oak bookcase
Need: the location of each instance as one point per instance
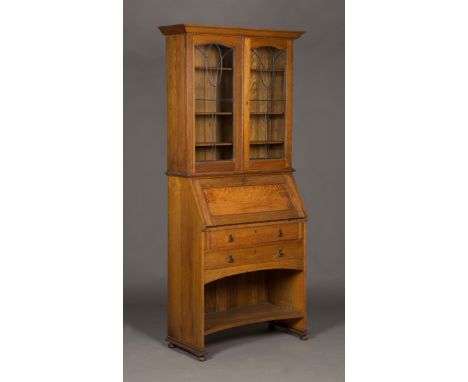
(237, 234)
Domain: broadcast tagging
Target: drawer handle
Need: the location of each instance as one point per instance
(280, 233)
(280, 253)
(230, 259)
(230, 238)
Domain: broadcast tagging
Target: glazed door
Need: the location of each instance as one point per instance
(268, 103)
(215, 111)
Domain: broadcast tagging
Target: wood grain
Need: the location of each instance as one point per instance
(217, 321)
(255, 254)
(229, 238)
(228, 31)
(247, 198)
(176, 111)
(185, 266)
(218, 273)
(236, 291)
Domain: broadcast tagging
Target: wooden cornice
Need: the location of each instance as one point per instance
(228, 31)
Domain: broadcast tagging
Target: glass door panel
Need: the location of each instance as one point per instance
(267, 103)
(214, 112)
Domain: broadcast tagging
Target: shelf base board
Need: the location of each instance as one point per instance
(217, 321)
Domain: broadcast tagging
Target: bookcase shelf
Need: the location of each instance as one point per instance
(267, 100)
(205, 113)
(208, 144)
(266, 70)
(272, 113)
(214, 99)
(211, 68)
(266, 142)
(216, 321)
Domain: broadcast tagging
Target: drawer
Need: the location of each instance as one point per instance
(237, 237)
(257, 256)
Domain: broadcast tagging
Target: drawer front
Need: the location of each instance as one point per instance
(257, 255)
(236, 237)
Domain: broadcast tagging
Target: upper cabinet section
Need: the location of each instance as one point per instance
(229, 99)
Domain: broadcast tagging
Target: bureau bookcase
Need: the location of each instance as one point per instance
(237, 224)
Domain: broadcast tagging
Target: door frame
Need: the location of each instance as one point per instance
(268, 164)
(215, 166)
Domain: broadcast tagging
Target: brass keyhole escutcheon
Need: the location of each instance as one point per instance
(280, 253)
(280, 233)
(230, 239)
(230, 259)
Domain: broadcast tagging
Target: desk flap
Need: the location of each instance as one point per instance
(248, 199)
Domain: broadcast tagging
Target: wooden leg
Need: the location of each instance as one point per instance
(200, 354)
(303, 334)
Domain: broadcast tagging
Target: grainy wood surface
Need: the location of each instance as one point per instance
(247, 315)
(215, 274)
(256, 255)
(185, 266)
(229, 31)
(249, 198)
(176, 108)
(229, 238)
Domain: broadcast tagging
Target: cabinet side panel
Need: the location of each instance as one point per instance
(289, 289)
(174, 258)
(175, 60)
(185, 263)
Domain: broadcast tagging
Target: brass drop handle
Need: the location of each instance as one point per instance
(280, 233)
(230, 259)
(280, 253)
(230, 238)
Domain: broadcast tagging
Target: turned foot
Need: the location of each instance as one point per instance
(201, 358)
(171, 345)
(304, 337)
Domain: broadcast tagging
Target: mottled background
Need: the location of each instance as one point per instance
(318, 146)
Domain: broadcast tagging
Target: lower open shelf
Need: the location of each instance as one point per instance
(216, 321)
